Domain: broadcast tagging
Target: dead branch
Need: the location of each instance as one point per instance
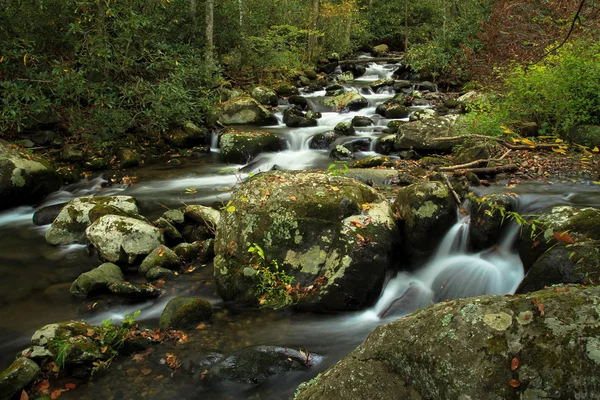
(487, 171)
(500, 141)
(451, 188)
(473, 163)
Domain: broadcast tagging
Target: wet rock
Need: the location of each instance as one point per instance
(334, 89)
(253, 365)
(358, 144)
(424, 135)
(24, 179)
(123, 239)
(381, 83)
(185, 312)
(313, 114)
(399, 85)
(361, 121)
(128, 158)
(298, 101)
(245, 111)
(409, 358)
(70, 224)
(357, 70)
(160, 257)
(385, 144)
(420, 115)
(322, 141)
(14, 379)
(97, 280)
(175, 217)
(310, 225)
(373, 161)
(172, 235)
(426, 85)
(101, 210)
(345, 77)
(341, 153)
(392, 110)
(285, 89)
(295, 118)
(348, 100)
(487, 219)
(412, 300)
(265, 96)
(188, 252)
(188, 136)
(46, 215)
(426, 211)
(158, 273)
(344, 129)
(204, 216)
(242, 147)
(380, 50)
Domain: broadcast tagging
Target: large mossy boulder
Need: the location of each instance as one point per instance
(245, 111)
(265, 96)
(333, 237)
(253, 365)
(187, 136)
(242, 147)
(426, 211)
(24, 179)
(536, 346)
(184, 312)
(429, 134)
(18, 375)
(123, 239)
(351, 101)
(70, 224)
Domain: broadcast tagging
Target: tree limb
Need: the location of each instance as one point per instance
(487, 171)
(473, 163)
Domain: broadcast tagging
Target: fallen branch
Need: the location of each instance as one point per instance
(500, 141)
(476, 162)
(456, 196)
(487, 171)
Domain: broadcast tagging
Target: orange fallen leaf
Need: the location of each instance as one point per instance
(70, 386)
(55, 393)
(514, 364)
(514, 383)
(268, 192)
(563, 237)
(201, 326)
(562, 289)
(335, 188)
(293, 198)
(89, 332)
(24, 395)
(146, 371)
(539, 306)
(43, 385)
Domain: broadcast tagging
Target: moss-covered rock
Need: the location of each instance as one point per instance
(265, 96)
(294, 118)
(128, 157)
(70, 224)
(253, 365)
(470, 152)
(490, 347)
(423, 135)
(373, 161)
(323, 140)
(385, 82)
(347, 100)
(13, 379)
(188, 136)
(188, 252)
(327, 233)
(420, 115)
(245, 111)
(97, 280)
(172, 235)
(160, 274)
(341, 153)
(201, 215)
(344, 129)
(123, 239)
(392, 110)
(242, 147)
(380, 50)
(285, 89)
(362, 121)
(24, 179)
(426, 211)
(488, 216)
(160, 257)
(185, 312)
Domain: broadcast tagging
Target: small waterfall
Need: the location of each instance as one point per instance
(214, 142)
(454, 273)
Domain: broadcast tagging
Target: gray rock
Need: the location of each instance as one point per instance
(184, 312)
(160, 257)
(245, 111)
(97, 280)
(14, 379)
(201, 215)
(265, 96)
(344, 129)
(348, 100)
(188, 252)
(123, 239)
(242, 147)
(160, 273)
(361, 121)
(341, 153)
(172, 235)
(385, 82)
(423, 135)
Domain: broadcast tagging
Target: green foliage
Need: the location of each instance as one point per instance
(559, 93)
(338, 168)
(274, 286)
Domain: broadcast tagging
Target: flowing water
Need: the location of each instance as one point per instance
(35, 277)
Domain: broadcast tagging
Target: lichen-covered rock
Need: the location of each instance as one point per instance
(245, 111)
(295, 118)
(385, 82)
(97, 280)
(341, 153)
(123, 239)
(346, 76)
(160, 257)
(348, 100)
(285, 89)
(344, 129)
(70, 224)
(172, 235)
(488, 217)
(242, 147)
(24, 179)
(13, 379)
(380, 50)
(373, 161)
(202, 215)
(423, 135)
(426, 211)
(265, 96)
(490, 347)
(420, 115)
(253, 365)
(184, 312)
(325, 232)
(392, 110)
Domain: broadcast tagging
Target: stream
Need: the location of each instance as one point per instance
(34, 288)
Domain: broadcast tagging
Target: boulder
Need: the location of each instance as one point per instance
(24, 179)
(286, 89)
(185, 312)
(172, 235)
(331, 238)
(341, 153)
(322, 141)
(265, 96)
(385, 144)
(426, 212)
(392, 110)
(420, 115)
(295, 118)
(423, 135)
(70, 224)
(470, 152)
(334, 89)
(357, 70)
(242, 147)
(399, 85)
(488, 217)
(158, 273)
(245, 111)
(128, 158)
(535, 346)
(97, 280)
(253, 365)
(188, 252)
(426, 85)
(123, 239)
(14, 379)
(160, 257)
(385, 82)
(201, 215)
(361, 121)
(373, 161)
(380, 50)
(344, 129)
(188, 136)
(298, 101)
(351, 101)
(46, 215)
(345, 77)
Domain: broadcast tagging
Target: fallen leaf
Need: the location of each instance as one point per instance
(43, 386)
(24, 395)
(89, 332)
(539, 306)
(514, 364)
(201, 326)
(563, 237)
(514, 383)
(70, 386)
(146, 371)
(55, 393)
(268, 192)
(562, 289)
(335, 188)
(293, 198)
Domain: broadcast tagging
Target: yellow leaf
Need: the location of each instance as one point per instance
(1, 59)
(25, 59)
(527, 141)
(595, 149)
(231, 209)
(293, 198)
(558, 150)
(559, 140)
(335, 188)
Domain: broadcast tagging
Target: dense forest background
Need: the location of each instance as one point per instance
(99, 69)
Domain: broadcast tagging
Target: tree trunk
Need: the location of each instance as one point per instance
(209, 30)
(241, 11)
(405, 25)
(313, 24)
(194, 13)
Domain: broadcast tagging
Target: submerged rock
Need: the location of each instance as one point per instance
(242, 147)
(14, 379)
(333, 237)
(70, 224)
(123, 239)
(245, 111)
(501, 348)
(253, 365)
(24, 179)
(185, 312)
(295, 118)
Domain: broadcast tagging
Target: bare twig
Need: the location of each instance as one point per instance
(454, 194)
(487, 171)
(473, 163)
